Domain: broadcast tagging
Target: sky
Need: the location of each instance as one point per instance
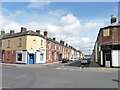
(77, 23)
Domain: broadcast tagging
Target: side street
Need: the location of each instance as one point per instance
(60, 45)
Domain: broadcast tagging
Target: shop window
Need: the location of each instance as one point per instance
(19, 57)
(41, 57)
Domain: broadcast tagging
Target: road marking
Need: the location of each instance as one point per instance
(71, 69)
(58, 68)
(78, 69)
(65, 68)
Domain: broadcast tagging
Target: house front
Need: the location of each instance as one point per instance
(107, 46)
(26, 47)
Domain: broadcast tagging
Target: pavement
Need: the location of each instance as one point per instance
(75, 66)
(29, 65)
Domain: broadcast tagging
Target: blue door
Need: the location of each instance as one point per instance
(31, 58)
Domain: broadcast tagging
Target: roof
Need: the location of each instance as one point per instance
(112, 25)
(30, 32)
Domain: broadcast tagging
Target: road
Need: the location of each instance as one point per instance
(55, 77)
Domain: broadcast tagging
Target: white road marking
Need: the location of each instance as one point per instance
(65, 68)
(58, 68)
(71, 69)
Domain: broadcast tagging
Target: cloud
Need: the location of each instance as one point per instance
(41, 4)
(69, 27)
(56, 12)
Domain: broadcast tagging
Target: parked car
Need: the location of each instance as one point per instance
(65, 60)
(85, 61)
(74, 59)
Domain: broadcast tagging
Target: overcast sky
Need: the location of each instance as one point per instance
(77, 23)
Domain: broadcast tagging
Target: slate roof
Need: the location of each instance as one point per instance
(30, 32)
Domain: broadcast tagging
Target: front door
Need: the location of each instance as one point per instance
(31, 58)
(107, 58)
(52, 56)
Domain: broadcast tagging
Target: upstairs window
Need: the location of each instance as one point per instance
(41, 43)
(20, 42)
(49, 45)
(8, 43)
(106, 32)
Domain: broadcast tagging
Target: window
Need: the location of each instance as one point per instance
(49, 55)
(41, 43)
(20, 42)
(8, 55)
(8, 43)
(41, 57)
(107, 56)
(55, 47)
(106, 32)
(19, 57)
(49, 45)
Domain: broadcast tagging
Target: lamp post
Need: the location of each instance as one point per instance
(89, 52)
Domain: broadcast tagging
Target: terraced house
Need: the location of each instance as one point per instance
(56, 51)
(26, 47)
(31, 47)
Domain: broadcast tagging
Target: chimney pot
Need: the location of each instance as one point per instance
(23, 29)
(2, 32)
(11, 32)
(60, 41)
(63, 42)
(113, 19)
(45, 33)
(66, 44)
(38, 31)
(54, 39)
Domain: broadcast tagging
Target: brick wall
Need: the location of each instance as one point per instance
(11, 59)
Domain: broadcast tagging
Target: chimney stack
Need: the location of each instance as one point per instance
(12, 32)
(45, 33)
(2, 32)
(66, 44)
(113, 19)
(63, 42)
(60, 41)
(38, 31)
(23, 29)
(54, 39)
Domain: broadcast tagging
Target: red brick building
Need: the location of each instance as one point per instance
(2, 33)
(107, 45)
(56, 51)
